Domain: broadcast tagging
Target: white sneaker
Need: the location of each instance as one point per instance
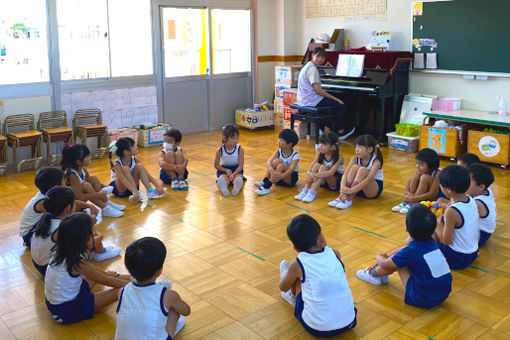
(301, 195)
(347, 134)
(385, 279)
(344, 205)
(262, 191)
(334, 203)
(238, 185)
(284, 267)
(405, 209)
(109, 253)
(165, 283)
(365, 276)
(132, 197)
(310, 196)
(175, 185)
(116, 206)
(222, 185)
(108, 190)
(259, 184)
(152, 194)
(109, 211)
(398, 207)
(287, 296)
(180, 324)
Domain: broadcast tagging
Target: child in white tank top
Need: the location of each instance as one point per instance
(229, 161)
(326, 170)
(458, 230)
(481, 178)
(148, 309)
(316, 282)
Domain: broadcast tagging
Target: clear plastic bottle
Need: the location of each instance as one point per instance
(501, 106)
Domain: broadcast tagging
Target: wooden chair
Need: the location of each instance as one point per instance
(20, 131)
(89, 123)
(53, 125)
(3, 154)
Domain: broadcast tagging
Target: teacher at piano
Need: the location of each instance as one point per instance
(310, 93)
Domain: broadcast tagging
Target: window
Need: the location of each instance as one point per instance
(23, 42)
(184, 41)
(231, 41)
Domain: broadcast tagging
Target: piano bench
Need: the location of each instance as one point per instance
(316, 115)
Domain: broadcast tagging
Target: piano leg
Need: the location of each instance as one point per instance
(381, 129)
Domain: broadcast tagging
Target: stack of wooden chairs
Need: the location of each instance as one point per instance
(89, 123)
(20, 131)
(53, 125)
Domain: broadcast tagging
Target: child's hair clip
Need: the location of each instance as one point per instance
(113, 146)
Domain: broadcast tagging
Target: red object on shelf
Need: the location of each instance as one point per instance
(373, 59)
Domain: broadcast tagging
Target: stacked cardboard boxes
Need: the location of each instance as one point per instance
(286, 78)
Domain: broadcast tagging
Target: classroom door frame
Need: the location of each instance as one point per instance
(215, 96)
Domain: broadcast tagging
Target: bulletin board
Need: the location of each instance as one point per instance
(345, 8)
(467, 35)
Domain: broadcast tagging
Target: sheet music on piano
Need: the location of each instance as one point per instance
(350, 65)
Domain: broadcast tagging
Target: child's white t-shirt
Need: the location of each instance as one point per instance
(287, 161)
(41, 247)
(488, 223)
(30, 214)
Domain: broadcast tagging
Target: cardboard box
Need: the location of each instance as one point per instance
(279, 88)
(287, 111)
(278, 105)
(287, 74)
(115, 134)
(289, 97)
(253, 119)
(489, 147)
(300, 128)
(280, 123)
(153, 136)
(446, 142)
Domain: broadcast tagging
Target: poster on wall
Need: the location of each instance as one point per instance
(351, 10)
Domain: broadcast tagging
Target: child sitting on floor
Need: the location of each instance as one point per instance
(466, 159)
(148, 309)
(283, 166)
(421, 266)
(229, 161)
(316, 282)
(481, 178)
(173, 161)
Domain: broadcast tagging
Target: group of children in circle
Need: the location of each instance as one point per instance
(63, 242)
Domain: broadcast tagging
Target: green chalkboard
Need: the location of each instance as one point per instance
(471, 35)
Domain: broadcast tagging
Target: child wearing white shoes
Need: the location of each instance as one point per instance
(283, 166)
(86, 187)
(173, 161)
(326, 170)
(148, 309)
(315, 283)
(421, 265)
(364, 174)
(229, 161)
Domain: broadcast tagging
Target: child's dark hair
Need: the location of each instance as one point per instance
(144, 257)
(122, 144)
(482, 174)
(48, 177)
(71, 244)
(229, 130)
(456, 178)
(420, 222)
(73, 153)
(430, 157)
(289, 136)
(369, 142)
(469, 158)
(319, 51)
(303, 231)
(175, 134)
(57, 199)
(329, 138)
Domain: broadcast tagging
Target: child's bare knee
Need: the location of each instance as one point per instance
(276, 162)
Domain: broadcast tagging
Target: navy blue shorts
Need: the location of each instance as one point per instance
(116, 192)
(41, 269)
(455, 259)
(412, 296)
(362, 194)
(81, 308)
(27, 239)
(231, 168)
(298, 311)
(338, 181)
(163, 176)
(484, 236)
(294, 176)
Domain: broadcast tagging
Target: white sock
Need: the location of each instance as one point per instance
(222, 185)
(238, 184)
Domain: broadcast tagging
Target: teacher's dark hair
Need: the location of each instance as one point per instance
(319, 51)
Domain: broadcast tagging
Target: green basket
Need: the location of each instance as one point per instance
(408, 130)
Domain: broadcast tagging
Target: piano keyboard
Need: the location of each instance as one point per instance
(347, 87)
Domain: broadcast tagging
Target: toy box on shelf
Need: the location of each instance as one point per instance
(251, 119)
(490, 146)
(447, 142)
(152, 134)
(403, 143)
(115, 134)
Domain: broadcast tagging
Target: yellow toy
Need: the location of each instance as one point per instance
(433, 206)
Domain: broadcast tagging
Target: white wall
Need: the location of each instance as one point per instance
(478, 95)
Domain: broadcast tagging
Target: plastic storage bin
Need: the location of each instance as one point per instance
(403, 143)
(115, 134)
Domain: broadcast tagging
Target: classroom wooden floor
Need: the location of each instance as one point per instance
(224, 254)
